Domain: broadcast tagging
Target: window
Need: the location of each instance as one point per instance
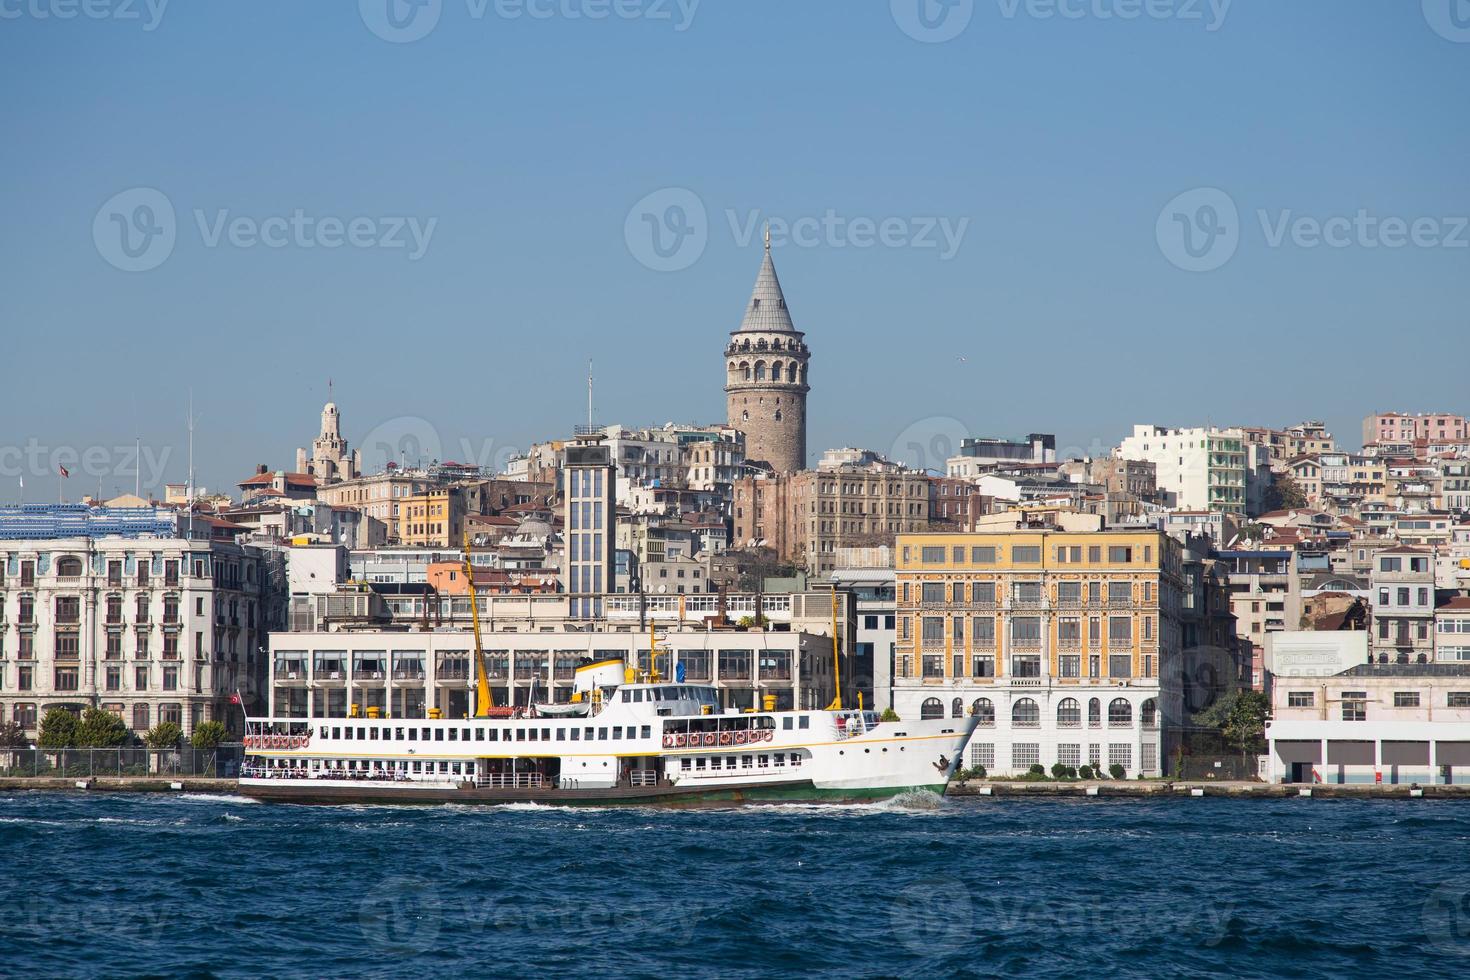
(1120, 630)
(1094, 713)
(1354, 705)
(982, 631)
(1069, 754)
(983, 665)
(68, 609)
(931, 592)
(931, 708)
(1025, 714)
(1069, 593)
(1026, 554)
(932, 555)
(982, 754)
(1026, 630)
(1120, 665)
(1120, 593)
(1024, 755)
(933, 629)
(1406, 699)
(984, 709)
(1390, 565)
(982, 592)
(1300, 699)
(1120, 754)
(1069, 713)
(957, 708)
(1069, 665)
(982, 555)
(69, 567)
(1120, 713)
(1026, 665)
(1458, 699)
(1118, 555)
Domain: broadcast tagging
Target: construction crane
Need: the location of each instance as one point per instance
(484, 701)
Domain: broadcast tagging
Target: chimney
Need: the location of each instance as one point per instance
(260, 469)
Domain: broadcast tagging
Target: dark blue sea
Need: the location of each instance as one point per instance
(218, 886)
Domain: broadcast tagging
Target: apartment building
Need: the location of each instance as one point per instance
(1062, 636)
(1402, 584)
(152, 629)
(379, 496)
(806, 517)
(979, 456)
(1406, 428)
(1195, 469)
(432, 519)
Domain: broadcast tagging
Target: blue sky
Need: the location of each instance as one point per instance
(1053, 143)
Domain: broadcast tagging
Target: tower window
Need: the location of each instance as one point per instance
(778, 415)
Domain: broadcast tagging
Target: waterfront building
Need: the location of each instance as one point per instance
(766, 381)
(1062, 635)
(867, 575)
(980, 456)
(151, 627)
(1337, 718)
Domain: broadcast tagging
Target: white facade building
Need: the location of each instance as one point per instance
(1196, 469)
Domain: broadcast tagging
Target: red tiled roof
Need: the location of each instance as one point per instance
(265, 479)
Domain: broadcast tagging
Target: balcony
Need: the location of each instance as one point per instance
(1028, 604)
(1069, 643)
(408, 673)
(1025, 643)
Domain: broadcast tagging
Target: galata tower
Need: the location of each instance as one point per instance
(765, 376)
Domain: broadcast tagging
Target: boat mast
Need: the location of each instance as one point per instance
(483, 699)
(836, 704)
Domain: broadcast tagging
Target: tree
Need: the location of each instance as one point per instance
(1284, 493)
(208, 735)
(164, 735)
(1245, 724)
(101, 729)
(58, 729)
(889, 715)
(12, 736)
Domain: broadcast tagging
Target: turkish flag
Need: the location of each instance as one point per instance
(234, 699)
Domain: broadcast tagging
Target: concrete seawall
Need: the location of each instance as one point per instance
(1122, 789)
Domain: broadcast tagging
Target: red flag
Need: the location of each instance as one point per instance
(64, 471)
(234, 699)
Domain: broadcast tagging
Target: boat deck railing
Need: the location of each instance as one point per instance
(511, 780)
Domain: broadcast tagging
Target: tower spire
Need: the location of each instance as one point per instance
(768, 236)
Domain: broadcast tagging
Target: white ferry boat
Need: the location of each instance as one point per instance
(649, 742)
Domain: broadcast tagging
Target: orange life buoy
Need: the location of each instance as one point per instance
(724, 738)
(709, 738)
(740, 738)
(668, 741)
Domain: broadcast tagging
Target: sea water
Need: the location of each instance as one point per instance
(217, 885)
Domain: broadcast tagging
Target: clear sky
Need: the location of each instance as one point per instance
(460, 198)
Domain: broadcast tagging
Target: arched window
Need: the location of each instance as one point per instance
(1094, 713)
(744, 370)
(803, 374)
(776, 371)
(69, 567)
(1025, 714)
(957, 708)
(778, 415)
(745, 416)
(931, 708)
(760, 370)
(1120, 713)
(1069, 713)
(983, 709)
(1149, 713)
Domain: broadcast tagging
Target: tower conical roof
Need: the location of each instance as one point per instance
(767, 307)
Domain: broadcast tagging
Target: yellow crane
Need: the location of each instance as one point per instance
(483, 699)
(836, 704)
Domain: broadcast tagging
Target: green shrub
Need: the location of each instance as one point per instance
(1071, 772)
(1085, 772)
(1036, 770)
(208, 736)
(889, 715)
(100, 729)
(1058, 771)
(164, 735)
(58, 729)
(1116, 771)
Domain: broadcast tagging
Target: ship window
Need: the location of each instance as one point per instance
(716, 763)
(561, 733)
(324, 731)
(627, 696)
(637, 697)
(786, 723)
(413, 734)
(479, 734)
(587, 733)
(438, 734)
(806, 722)
(464, 735)
(617, 731)
(336, 733)
(374, 733)
(347, 733)
(545, 734)
(533, 735)
(494, 734)
(456, 768)
(745, 762)
(454, 734)
(647, 731)
(699, 763)
(602, 734)
(684, 763)
(520, 734)
(398, 734)
(426, 736)
(418, 767)
(576, 732)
